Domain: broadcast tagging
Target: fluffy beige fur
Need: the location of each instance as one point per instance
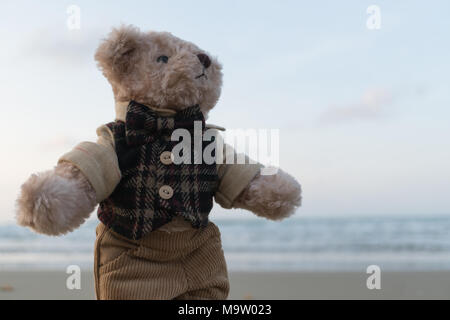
(274, 197)
(58, 201)
(55, 202)
(129, 60)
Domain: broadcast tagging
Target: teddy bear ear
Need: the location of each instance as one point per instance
(117, 53)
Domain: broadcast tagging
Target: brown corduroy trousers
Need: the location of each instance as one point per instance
(178, 265)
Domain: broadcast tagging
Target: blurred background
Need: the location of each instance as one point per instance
(359, 91)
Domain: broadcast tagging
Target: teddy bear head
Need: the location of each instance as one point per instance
(159, 70)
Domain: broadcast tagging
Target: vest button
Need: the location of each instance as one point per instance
(166, 157)
(166, 192)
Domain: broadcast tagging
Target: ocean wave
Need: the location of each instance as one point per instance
(257, 244)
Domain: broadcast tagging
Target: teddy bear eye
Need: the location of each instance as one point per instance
(163, 59)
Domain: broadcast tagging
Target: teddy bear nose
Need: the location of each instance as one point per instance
(204, 59)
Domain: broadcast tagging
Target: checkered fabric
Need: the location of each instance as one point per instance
(135, 208)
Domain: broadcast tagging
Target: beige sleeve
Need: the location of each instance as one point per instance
(234, 178)
(98, 162)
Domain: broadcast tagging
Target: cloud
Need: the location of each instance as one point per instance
(75, 47)
(372, 105)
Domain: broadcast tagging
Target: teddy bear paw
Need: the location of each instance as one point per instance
(54, 202)
(274, 197)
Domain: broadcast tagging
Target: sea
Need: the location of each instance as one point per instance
(255, 244)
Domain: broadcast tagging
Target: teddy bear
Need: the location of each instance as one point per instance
(154, 239)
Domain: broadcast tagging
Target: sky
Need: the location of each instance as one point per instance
(363, 113)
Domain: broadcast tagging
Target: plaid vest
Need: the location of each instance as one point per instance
(153, 190)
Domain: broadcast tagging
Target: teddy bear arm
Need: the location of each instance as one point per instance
(57, 201)
(274, 197)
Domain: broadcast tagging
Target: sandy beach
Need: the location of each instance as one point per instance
(245, 285)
